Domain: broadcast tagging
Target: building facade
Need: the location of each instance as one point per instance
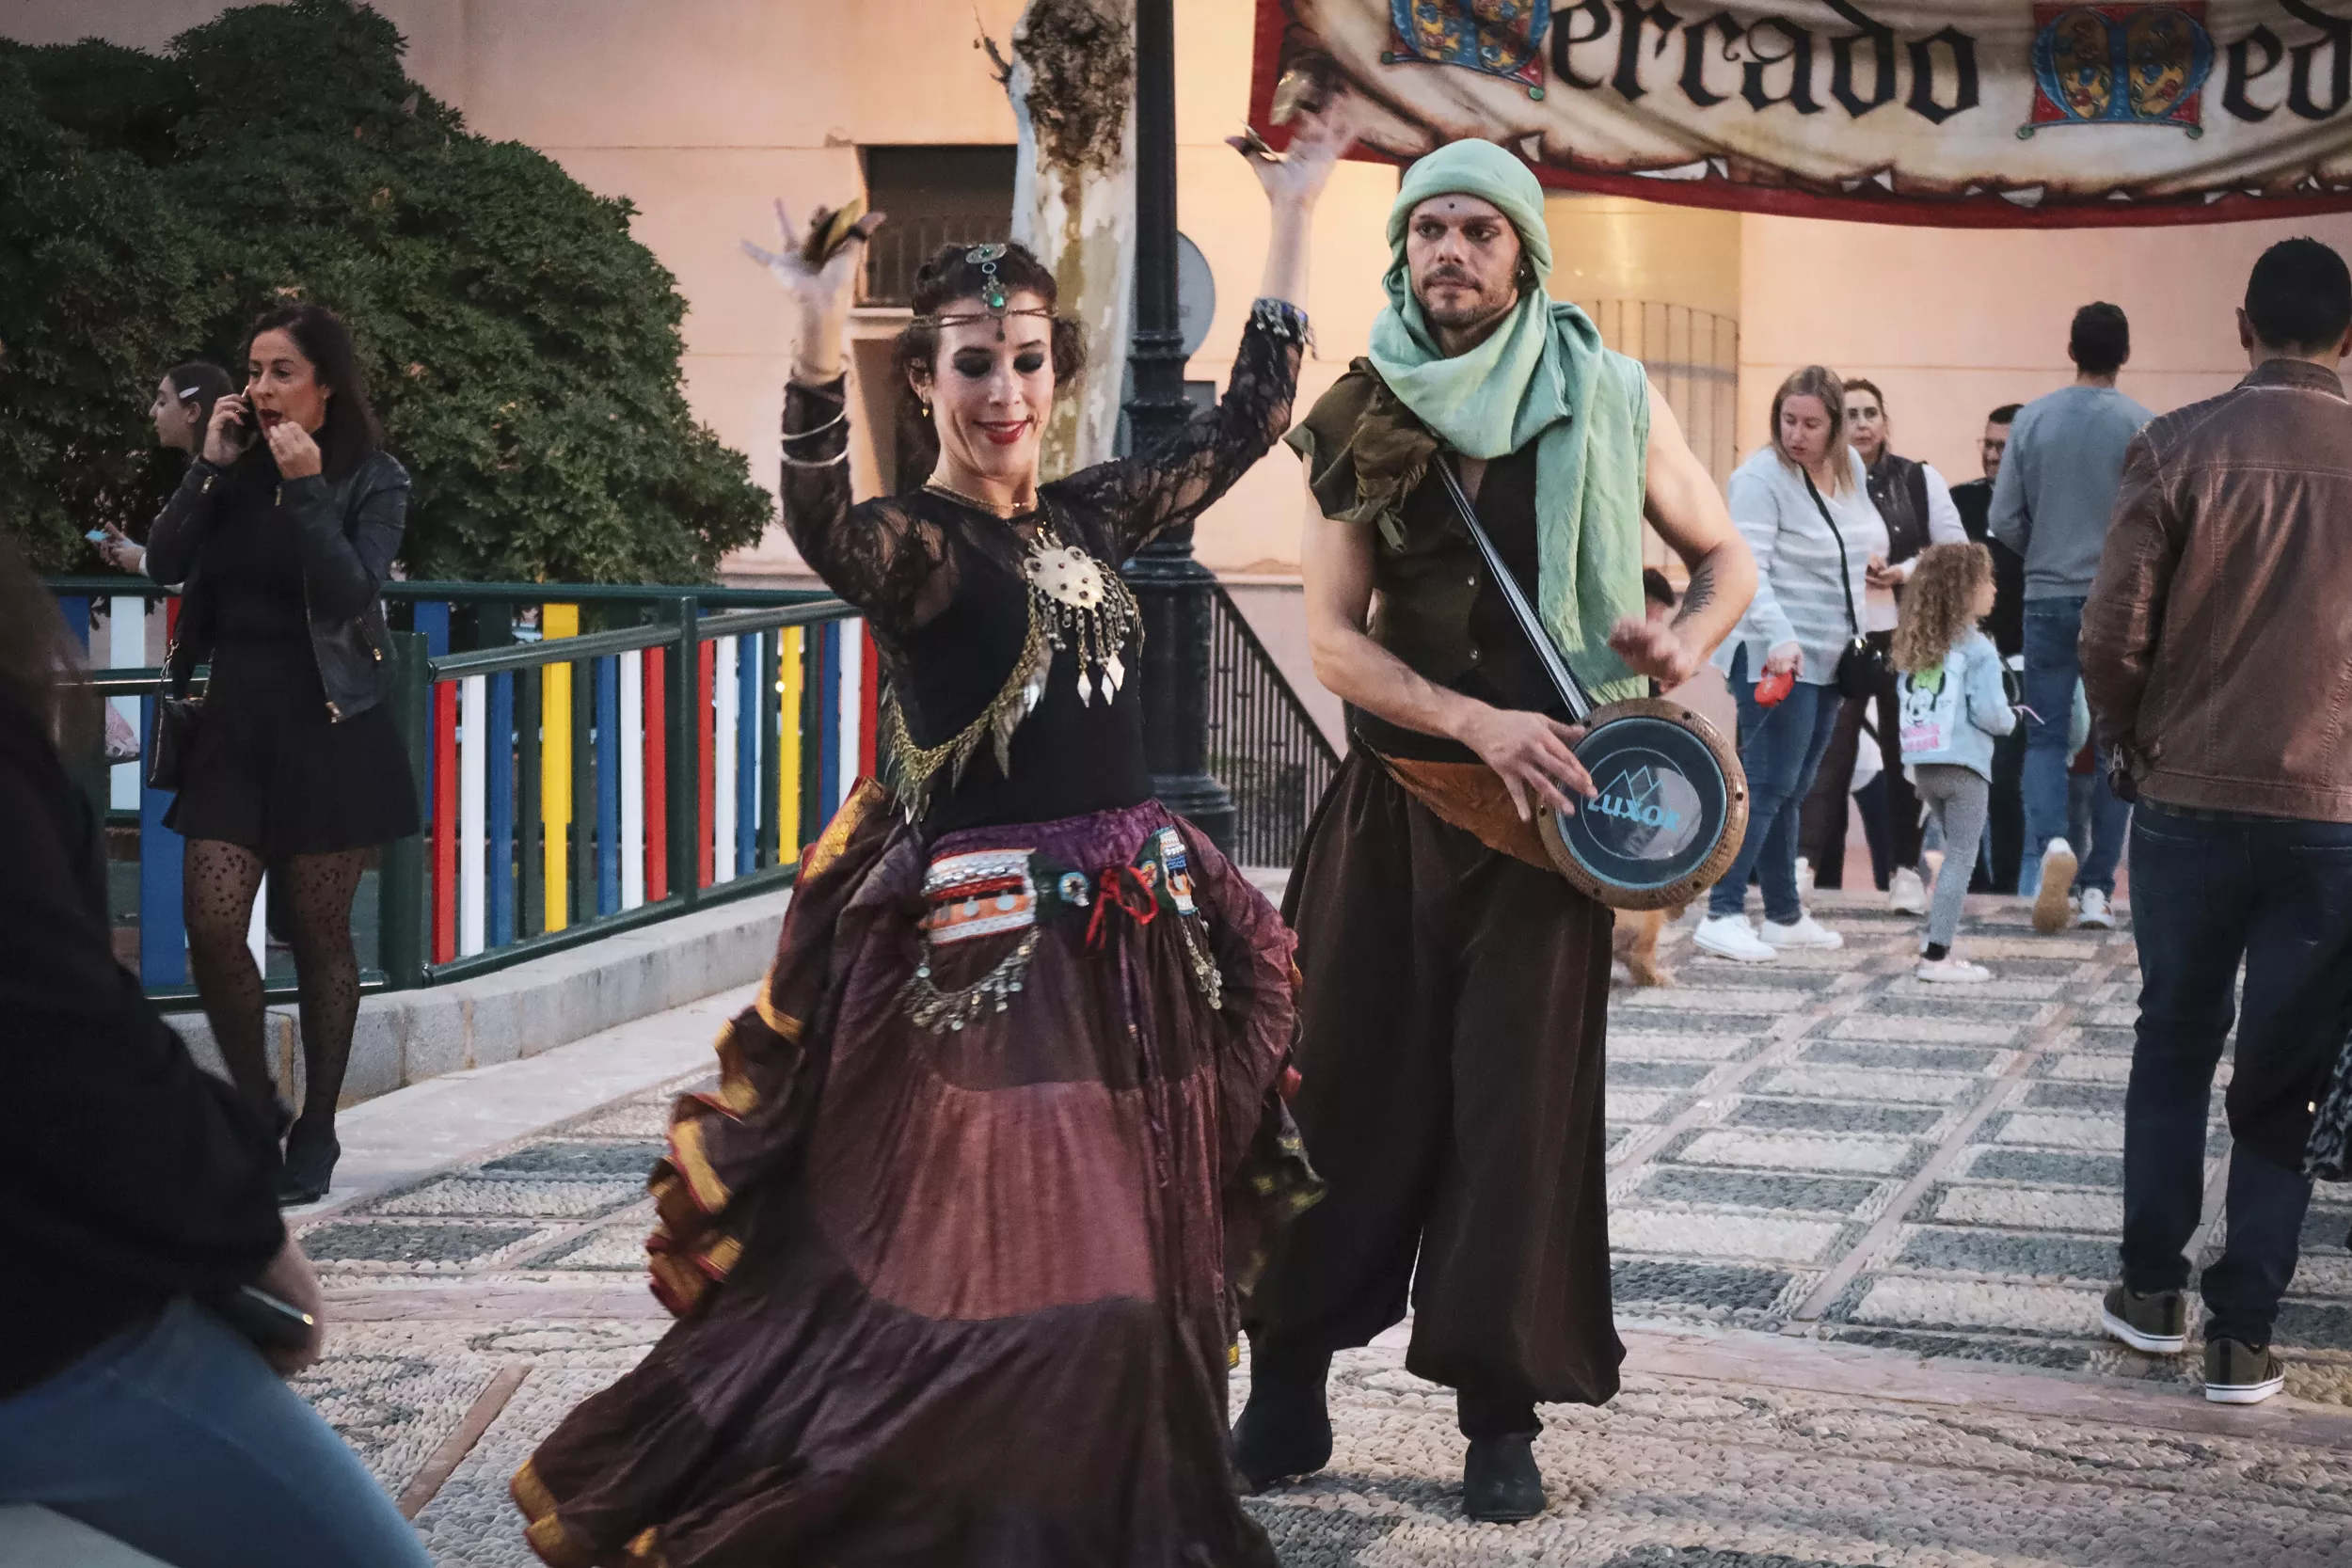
(701, 112)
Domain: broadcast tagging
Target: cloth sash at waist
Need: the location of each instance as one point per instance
(1471, 795)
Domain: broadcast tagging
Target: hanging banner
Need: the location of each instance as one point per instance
(1964, 113)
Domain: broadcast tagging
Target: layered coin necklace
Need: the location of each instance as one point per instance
(1083, 605)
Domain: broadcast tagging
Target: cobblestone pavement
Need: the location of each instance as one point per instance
(1862, 1227)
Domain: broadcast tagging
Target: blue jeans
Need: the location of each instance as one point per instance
(2053, 669)
(176, 1437)
(2206, 893)
(1780, 749)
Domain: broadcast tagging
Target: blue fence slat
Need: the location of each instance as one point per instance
(432, 621)
(75, 608)
(499, 806)
(747, 710)
(829, 726)
(163, 934)
(608, 784)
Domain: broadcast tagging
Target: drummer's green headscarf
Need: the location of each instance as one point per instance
(1542, 377)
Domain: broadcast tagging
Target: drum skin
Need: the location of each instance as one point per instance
(1668, 780)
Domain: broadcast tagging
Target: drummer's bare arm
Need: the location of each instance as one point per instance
(1533, 754)
(1687, 512)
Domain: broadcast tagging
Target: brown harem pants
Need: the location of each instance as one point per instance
(1454, 1018)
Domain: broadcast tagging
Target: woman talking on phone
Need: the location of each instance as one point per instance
(284, 532)
(182, 411)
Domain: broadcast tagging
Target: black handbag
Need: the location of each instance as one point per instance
(1862, 670)
(177, 716)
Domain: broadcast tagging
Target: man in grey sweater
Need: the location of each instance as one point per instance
(2051, 504)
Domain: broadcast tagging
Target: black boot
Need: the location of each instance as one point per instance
(1500, 1484)
(1285, 1429)
(308, 1168)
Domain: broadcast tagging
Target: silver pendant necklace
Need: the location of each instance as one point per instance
(1087, 607)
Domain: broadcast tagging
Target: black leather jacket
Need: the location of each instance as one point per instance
(350, 529)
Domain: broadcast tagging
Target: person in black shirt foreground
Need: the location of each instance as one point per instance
(284, 532)
(133, 1185)
(2006, 625)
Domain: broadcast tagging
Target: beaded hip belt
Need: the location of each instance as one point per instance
(987, 892)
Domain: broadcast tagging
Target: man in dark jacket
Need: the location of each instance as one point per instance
(2213, 651)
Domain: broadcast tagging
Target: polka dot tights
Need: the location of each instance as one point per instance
(219, 886)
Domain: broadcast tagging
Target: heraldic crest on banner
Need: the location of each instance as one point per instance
(2120, 65)
(1498, 38)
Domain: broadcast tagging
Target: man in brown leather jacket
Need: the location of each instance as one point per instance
(2217, 653)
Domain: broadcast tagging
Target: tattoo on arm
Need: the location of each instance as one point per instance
(1700, 593)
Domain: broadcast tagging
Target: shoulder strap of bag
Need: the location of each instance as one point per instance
(1845, 566)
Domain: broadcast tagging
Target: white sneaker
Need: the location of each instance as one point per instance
(1952, 971)
(1805, 932)
(1730, 936)
(2097, 913)
(1906, 893)
(2050, 913)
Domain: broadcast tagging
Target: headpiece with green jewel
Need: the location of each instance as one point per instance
(993, 294)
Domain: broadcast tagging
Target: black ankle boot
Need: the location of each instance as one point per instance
(308, 1168)
(1500, 1484)
(1285, 1429)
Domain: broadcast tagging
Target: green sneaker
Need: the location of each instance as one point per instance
(2241, 1375)
(2155, 1322)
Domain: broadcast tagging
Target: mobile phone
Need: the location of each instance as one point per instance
(96, 535)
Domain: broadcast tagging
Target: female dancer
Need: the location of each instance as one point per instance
(284, 532)
(954, 1243)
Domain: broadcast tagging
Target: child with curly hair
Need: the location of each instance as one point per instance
(1953, 706)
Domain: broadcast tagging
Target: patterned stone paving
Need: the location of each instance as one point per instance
(1821, 1160)
(1827, 1147)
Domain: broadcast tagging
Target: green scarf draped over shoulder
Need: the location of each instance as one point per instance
(1543, 376)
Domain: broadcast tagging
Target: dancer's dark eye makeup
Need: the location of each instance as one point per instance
(973, 364)
(1030, 361)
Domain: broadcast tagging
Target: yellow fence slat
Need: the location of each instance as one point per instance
(555, 763)
(788, 684)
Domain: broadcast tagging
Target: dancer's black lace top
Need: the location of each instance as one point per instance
(941, 583)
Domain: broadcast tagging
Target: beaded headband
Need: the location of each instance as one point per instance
(985, 257)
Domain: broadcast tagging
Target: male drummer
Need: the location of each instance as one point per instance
(1455, 986)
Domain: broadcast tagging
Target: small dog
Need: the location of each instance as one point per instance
(1635, 944)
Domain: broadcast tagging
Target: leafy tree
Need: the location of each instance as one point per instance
(522, 348)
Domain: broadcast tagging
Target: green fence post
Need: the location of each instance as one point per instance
(683, 752)
(533, 865)
(401, 914)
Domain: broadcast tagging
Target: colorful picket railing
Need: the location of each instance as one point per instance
(572, 785)
(590, 781)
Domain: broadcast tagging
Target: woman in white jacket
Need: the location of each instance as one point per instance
(1804, 506)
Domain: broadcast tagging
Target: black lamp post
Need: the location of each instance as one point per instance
(1171, 587)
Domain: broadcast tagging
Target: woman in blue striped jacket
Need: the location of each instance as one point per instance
(1803, 505)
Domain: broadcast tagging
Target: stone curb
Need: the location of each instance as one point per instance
(405, 1038)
